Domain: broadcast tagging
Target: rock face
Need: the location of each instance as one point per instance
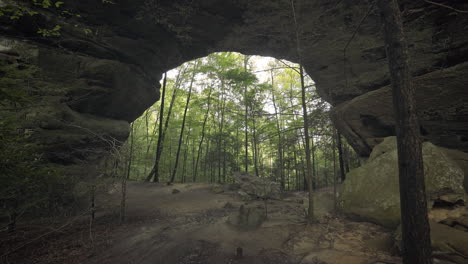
(371, 191)
(367, 119)
(257, 187)
(105, 66)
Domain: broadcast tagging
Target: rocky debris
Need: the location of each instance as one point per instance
(217, 188)
(371, 192)
(232, 187)
(244, 196)
(257, 187)
(248, 217)
(448, 243)
(338, 241)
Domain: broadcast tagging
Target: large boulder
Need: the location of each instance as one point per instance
(371, 192)
(257, 187)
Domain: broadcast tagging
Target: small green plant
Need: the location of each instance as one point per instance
(55, 32)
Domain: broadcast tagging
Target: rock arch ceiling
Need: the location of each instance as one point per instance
(113, 73)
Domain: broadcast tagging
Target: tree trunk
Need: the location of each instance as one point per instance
(161, 116)
(221, 127)
(129, 168)
(335, 202)
(206, 158)
(174, 171)
(246, 60)
(255, 147)
(415, 225)
(340, 156)
(202, 135)
(161, 143)
(314, 169)
(184, 167)
(278, 129)
(309, 177)
(162, 134)
(346, 159)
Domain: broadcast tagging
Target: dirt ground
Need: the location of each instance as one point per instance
(191, 227)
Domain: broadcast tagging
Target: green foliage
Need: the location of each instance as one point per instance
(17, 11)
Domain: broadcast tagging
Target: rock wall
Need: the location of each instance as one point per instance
(103, 70)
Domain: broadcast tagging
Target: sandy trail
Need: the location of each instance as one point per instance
(191, 227)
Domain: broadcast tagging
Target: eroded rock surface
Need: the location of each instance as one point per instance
(440, 104)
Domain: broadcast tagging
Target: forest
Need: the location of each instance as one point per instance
(220, 118)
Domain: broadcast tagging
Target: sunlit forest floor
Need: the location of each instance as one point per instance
(192, 226)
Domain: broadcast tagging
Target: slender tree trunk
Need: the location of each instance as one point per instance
(174, 171)
(130, 157)
(335, 203)
(340, 156)
(123, 200)
(147, 139)
(238, 162)
(310, 179)
(325, 172)
(150, 143)
(193, 158)
(296, 171)
(162, 134)
(289, 172)
(161, 116)
(206, 159)
(246, 60)
(314, 169)
(278, 129)
(346, 159)
(202, 135)
(415, 225)
(166, 126)
(184, 167)
(221, 127)
(224, 161)
(254, 145)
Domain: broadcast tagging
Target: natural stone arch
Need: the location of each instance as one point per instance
(113, 74)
